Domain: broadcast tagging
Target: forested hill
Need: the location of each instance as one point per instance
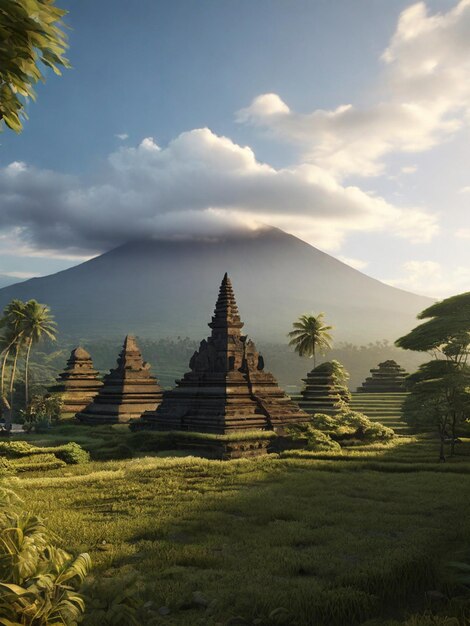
(169, 359)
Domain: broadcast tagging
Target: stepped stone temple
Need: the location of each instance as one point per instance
(227, 389)
(322, 393)
(78, 384)
(388, 377)
(128, 390)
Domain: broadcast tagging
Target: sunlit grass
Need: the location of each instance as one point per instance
(332, 540)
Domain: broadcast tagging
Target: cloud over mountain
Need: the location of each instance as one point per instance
(200, 184)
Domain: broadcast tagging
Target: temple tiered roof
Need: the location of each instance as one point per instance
(128, 390)
(78, 384)
(323, 392)
(388, 377)
(226, 388)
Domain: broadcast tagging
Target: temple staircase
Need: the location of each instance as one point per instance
(385, 408)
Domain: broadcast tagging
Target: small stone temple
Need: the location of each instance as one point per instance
(227, 388)
(78, 384)
(388, 377)
(128, 390)
(322, 392)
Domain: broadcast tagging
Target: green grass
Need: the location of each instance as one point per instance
(333, 539)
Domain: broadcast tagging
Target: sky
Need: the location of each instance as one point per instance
(343, 122)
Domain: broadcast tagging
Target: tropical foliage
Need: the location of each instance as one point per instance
(31, 36)
(440, 389)
(39, 582)
(41, 413)
(328, 432)
(23, 325)
(439, 399)
(310, 335)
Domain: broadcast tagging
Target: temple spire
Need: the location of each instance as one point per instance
(226, 317)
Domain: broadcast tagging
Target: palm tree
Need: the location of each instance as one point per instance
(37, 323)
(310, 335)
(10, 323)
(13, 333)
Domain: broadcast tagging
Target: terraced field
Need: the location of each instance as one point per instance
(385, 408)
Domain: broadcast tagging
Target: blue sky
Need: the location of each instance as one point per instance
(381, 185)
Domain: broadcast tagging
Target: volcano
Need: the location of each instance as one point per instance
(165, 288)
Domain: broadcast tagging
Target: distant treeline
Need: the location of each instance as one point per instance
(170, 357)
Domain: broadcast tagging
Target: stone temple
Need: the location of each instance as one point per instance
(322, 392)
(128, 390)
(388, 377)
(78, 384)
(227, 388)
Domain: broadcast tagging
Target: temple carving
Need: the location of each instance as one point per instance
(227, 388)
(388, 377)
(78, 384)
(128, 390)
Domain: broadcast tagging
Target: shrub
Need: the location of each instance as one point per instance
(40, 582)
(42, 412)
(37, 462)
(72, 453)
(315, 439)
(15, 449)
(351, 425)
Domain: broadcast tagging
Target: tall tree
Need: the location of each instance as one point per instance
(10, 325)
(11, 322)
(445, 335)
(310, 335)
(439, 399)
(37, 323)
(31, 36)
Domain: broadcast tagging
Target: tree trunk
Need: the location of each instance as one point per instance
(12, 387)
(4, 364)
(26, 375)
(442, 457)
(453, 434)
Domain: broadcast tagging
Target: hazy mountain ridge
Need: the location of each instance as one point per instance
(168, 288)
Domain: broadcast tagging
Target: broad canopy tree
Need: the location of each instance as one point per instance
(31, 36)
(440, 390)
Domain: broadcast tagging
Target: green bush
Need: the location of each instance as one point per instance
(351, 425)
(72, 453)
(15, 449)
(315, 439)
(36, 463)
(40, 582)
(42, 412)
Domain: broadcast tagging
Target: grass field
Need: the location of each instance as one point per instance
(306, 538)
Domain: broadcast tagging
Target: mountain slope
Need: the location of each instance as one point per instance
(167, 288)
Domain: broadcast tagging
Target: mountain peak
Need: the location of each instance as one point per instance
(162, 288)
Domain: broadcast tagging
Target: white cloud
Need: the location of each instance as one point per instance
(423, 97)
(430, 278)
(122, 136)
(22, 275)
(200, 184)
(409, 169)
